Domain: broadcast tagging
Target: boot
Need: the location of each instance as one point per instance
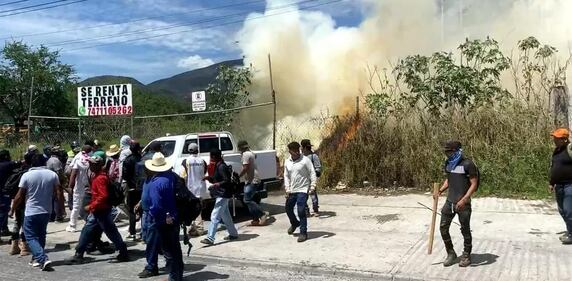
(14, 248)
(24, 250)
(451, 258)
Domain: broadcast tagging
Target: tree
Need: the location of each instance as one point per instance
(230, 90)
(51, 80)
(441, 82)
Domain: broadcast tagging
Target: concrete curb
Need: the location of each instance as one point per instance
(317, 270)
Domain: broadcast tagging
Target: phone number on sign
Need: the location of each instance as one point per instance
(110, 110)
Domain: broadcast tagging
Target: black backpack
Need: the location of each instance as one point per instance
(116, 193)
(188, 206)
(11, 186)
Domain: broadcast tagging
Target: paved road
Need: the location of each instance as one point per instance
(382, 238)
(15, 268)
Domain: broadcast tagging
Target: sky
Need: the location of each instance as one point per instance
(147, 39)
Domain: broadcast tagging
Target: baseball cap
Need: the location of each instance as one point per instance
(452, 145)
(193, 147)
(243, 144)
(96, 160)
(561, 133)
(306, 143)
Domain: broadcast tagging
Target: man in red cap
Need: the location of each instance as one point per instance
(561, 179)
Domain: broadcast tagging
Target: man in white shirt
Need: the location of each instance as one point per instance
(79, 181)
(299, 179)
(251, 181)
(194, 171)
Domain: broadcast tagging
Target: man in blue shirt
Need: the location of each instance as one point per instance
(161, 222)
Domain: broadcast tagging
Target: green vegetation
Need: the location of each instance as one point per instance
(429, 99)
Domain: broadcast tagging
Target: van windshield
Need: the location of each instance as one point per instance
(206, 144)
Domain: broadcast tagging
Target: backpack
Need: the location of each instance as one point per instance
(11, 186)
(116, 193)
(188, 206)
(318, 173)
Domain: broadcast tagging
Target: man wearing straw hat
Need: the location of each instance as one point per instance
(561, 179)
(162, 224)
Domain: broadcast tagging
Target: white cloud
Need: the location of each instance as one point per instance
(194, 62)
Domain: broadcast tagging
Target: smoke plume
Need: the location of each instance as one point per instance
(319, 66)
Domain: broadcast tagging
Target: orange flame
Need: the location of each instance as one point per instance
(351, 132)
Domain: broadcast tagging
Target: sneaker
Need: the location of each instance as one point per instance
(465, 260)
(451, 259)
(148, 273)
(231, 238)
(71, 229)
(131, 237)
(264, 218)
(566, 240)
(76, 259)
(302, 238)
(255, 223)
(315, 214)
(291, 229)
(207, 241)
(47, 265)
(34, 263)
(122, 258)
(563, 236)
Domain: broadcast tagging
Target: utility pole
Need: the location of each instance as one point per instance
(273, 102)
(30, 105)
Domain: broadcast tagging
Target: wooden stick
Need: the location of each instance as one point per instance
(434, 218)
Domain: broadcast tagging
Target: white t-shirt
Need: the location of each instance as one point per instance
(194, 172)
(81, 164)
(299, 175)
(251, 175)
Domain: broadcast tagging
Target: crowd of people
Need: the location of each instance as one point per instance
(100, 184)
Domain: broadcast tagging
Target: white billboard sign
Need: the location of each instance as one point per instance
(106, 100)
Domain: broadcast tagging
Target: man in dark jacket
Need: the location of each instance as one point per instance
(561, 179)
(462, 181)
(133, 189)
(221, 190)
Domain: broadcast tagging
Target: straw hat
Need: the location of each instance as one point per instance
(158, 163)
(113, 150)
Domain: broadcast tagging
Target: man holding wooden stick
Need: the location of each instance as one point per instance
(462, 181)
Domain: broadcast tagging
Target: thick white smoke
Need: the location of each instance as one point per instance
(318, 65)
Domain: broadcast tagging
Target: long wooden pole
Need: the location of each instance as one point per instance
(433, 218)
(273, 102)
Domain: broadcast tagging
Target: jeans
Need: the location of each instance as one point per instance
(297, 200)
(104, 221)
(221, 213)
(564, 202)
(18, 230)
(253, 208)
(78, 194)
(164, 237)
(133, 197)
(35, 229)
(315, 206)
(447, 214)
(5, 202)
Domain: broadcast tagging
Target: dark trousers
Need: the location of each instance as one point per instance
(564, 202)
(447, 214)
(297, 200)
(17, 231)
(166, 238)
(253, 208)
(5, 202)
(104, 221)
(315, 205)
(133, 197)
